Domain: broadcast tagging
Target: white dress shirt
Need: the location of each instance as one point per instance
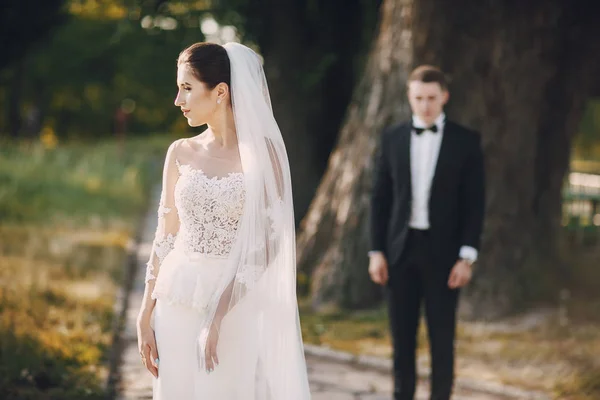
(424, 152)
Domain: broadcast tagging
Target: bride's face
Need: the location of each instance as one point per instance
(197, 102)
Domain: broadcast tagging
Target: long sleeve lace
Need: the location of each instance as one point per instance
(168, 218)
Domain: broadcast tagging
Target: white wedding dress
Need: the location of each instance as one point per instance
(198, 219)
(224, 251)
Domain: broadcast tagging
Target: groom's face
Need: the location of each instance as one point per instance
(427, 100)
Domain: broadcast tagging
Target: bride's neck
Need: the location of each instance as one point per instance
(223, 128)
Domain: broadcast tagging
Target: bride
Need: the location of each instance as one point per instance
(219, 317)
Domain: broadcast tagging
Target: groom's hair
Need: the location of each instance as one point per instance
(427, 74)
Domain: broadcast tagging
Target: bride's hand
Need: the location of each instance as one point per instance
(147, 346)
(210, 354)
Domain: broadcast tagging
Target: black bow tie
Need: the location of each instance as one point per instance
(433, 128)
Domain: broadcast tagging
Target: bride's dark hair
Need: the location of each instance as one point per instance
(209, 63)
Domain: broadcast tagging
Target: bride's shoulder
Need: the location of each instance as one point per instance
(175, 146)
(192, 148)
(193, 143)
(174, 151)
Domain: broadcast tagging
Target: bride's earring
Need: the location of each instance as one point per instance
(219, 101)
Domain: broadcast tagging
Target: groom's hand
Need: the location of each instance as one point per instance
(460, 275)
(378, 268)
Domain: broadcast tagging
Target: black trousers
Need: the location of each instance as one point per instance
(414, 281)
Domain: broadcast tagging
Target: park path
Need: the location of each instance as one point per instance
(329, 380)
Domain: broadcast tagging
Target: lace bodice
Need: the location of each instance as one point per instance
(209, 210)
(198, 214)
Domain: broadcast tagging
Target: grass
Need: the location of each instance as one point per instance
(74, 183)
(67, 215)
(364, 332)
(548, 355)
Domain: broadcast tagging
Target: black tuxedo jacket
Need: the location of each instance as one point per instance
(456, 203)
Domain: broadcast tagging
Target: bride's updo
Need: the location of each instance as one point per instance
(209, 63)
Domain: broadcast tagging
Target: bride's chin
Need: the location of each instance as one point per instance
(191, 123)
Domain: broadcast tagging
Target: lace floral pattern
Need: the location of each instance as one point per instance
(197, 214)
(209, 210)
(149, 272)
(163, 244)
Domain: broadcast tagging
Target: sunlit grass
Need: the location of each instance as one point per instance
(365, 332)
(67, 215)
(74, 183)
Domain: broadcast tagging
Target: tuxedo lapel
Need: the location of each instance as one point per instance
(405, 159)
(445, 154)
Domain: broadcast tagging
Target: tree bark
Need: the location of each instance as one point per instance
(15, 95)
(333, 245)
(520, 73)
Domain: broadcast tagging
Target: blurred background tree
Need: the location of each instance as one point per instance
(20, 31)
(18, 35)
(73, 81)
(521, 74)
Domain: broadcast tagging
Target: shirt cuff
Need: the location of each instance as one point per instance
(373, 252)
(468, 253)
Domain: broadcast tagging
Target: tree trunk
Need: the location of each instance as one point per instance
(518, 74)
(333, 244)
(15, 95)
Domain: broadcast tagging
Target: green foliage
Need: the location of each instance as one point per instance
(93, 65)
(72, 182)
(68, 214)
(80, 76)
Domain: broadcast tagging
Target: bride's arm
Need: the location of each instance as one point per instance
(166, 231)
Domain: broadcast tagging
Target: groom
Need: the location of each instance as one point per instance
(427, 211)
